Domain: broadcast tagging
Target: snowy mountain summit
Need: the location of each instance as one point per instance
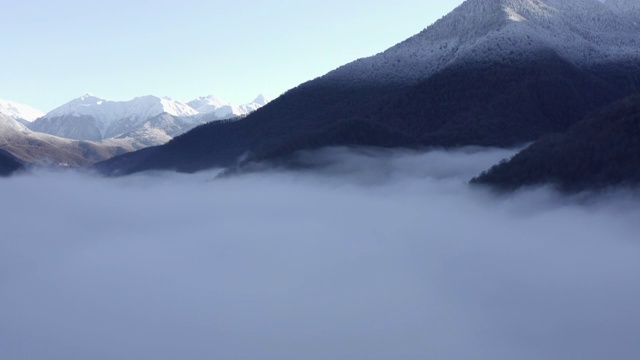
(261, 100)
(207, 104)
(109, 118)
(222, 109)
(110, 111)
(584, 32)
(19, 112)
(152, 119)
(489, 73)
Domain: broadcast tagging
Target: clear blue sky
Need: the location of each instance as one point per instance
(119, 49)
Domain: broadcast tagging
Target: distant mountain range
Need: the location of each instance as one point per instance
(490, 73)
(43, 149)
(90, 129)
(93, 118)
(564, 74)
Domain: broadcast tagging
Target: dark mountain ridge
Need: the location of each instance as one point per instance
(492, 72)
(8, 163)
(601, 151)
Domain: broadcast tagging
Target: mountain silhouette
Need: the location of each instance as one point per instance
(601, 151)
(490, 73)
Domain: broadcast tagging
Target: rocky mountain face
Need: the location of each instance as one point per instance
(92, 118)
(44, 149)
(492, 72)
(148, 119)
(90, 129)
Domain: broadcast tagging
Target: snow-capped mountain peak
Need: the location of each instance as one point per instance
(222, 109)
(19, 111)
(149, 106)
(583, 32)
(256, 104)
(520, 10)
(261, 100)
(106, 111)
(83, 105)
(207, 104)
(93, 118)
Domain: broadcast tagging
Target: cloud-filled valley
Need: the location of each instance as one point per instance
(378, 255)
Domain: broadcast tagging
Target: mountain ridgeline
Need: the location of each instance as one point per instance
(149, 120)
(600, 152)
(43, 149)
(490, 73)
(89, 129)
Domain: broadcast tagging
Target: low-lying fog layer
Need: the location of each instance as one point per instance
(377, 256)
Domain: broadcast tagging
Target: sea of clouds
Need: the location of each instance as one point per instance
(369, 254)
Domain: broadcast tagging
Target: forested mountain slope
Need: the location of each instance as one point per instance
(492, 72)
(599, 152)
